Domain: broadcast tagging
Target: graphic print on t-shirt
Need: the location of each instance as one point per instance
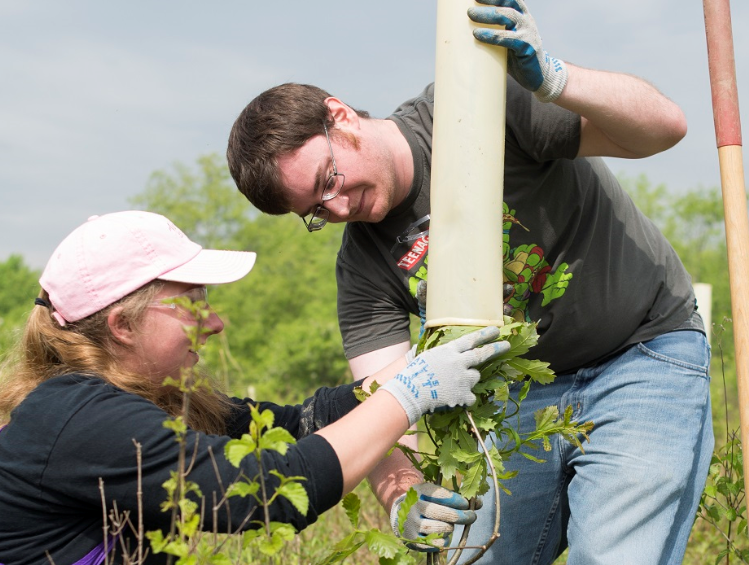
(525, 266)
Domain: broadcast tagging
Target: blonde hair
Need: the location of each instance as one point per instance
(88, 347)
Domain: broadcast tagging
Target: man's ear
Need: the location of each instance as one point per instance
(344, 116)
(120, 326)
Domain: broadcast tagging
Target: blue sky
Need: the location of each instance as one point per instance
(95, 95)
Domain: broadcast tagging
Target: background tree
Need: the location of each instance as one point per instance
(19, 287)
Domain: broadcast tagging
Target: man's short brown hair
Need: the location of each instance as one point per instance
(278, 121)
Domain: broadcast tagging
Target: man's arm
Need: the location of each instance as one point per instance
(394, 475)
(622, 115)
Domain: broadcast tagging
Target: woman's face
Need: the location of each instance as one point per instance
(162, 346)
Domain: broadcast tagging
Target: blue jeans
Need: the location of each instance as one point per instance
(631, 496)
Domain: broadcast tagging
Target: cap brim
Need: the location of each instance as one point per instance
(212, 266)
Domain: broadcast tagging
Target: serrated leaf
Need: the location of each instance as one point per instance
(296, 494)
(411, 498)
(524, 391)
(263, 419)
(545, 417)
(472, 481)
(277, 439)
(283, 531)
(523, 339)
(243, 489)
(466, 457)
(535, 370)
(446, 458)
(352, 505)
(382, 544)
(237, 449)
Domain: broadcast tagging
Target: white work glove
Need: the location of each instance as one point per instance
(437, 511)
(445, 375)
(527, 62)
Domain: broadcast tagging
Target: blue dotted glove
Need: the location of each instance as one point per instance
(444, 376)
(527, 62)
(436, 511)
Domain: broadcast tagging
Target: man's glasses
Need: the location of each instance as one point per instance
(333, 187)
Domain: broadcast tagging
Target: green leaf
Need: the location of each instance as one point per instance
(352, 505)
(237, 449)
(277, 439)
(473, 481)
(296, 494)
(243, 489)
(545, 417)
(177, 425)
(537, 371)
(263, 419)
(521, 342)
(339, 555)
(384, 545)
(405, 507)
(469, 457)
(524, 391)
(220, 559)
(446, 459)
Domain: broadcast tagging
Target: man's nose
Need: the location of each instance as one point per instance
(340, 206)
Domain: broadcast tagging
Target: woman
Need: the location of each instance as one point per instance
(89, 383)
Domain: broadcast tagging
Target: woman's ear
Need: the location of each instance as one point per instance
(120, 326)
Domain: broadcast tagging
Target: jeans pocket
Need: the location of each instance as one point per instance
(685, 348)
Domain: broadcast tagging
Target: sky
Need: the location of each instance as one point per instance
(95, 96)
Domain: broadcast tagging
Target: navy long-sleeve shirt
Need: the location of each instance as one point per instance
(74, 430)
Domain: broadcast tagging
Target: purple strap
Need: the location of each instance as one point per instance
(97, 555)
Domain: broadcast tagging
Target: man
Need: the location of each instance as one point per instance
(616, 311)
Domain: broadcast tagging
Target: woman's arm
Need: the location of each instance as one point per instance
(379, 423)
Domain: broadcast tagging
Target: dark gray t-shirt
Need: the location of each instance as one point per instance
(584, 262)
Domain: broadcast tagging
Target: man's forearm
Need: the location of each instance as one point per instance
(394, 475)
(623, 115)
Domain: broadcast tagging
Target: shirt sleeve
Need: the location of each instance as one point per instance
(99, 442)
(542, 132)
(325, 406)
(374, 306)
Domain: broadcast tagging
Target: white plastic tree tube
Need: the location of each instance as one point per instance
(468, 145)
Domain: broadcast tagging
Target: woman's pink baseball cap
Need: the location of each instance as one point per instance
(112, 255)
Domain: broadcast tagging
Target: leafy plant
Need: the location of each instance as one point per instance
(458, 436)
(460, 452)
(723, 502)
(386, 546)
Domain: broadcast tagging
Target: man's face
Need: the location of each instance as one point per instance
(369, 190)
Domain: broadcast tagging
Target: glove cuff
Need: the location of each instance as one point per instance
(395, 387)
(394, 515)
(555, 79)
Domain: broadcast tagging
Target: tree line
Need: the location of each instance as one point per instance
(282, 339)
